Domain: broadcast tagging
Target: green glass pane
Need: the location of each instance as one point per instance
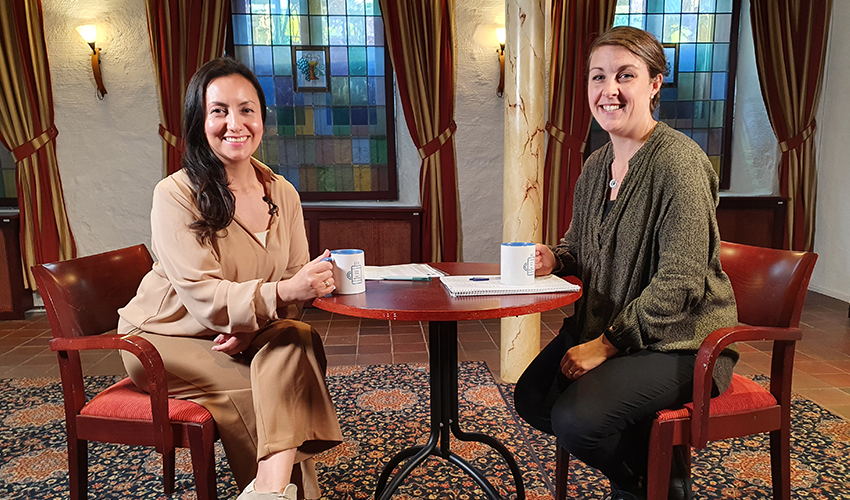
(341, 116)
(721, 57)
(654, 6)
(373, 151)
(261, 29)
(260, 7)
(280, 30)
(380, 128)
(339, 87)
(686, 86)
(718, 113)
(9, 187)
(382, 150)
(357, 61)
(724, 6)
(345, 178)
(282, 57)
(358, 90)
(285, 116)
(318, 7)
(621, 20)
(372, 8)
(356, 30)
(356, 8)
(706, 28)
(309, 150)
(622, 7)
(325, 178)
(672, 23)
(703, 57)
(319, 30)
(297, 6)
(701, 114)
(702, 86)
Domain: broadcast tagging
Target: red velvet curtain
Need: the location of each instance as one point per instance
(420, 36)
(27, 129)
(790, 39)
(575, 24)
(184, 34)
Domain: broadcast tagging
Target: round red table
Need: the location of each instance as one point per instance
(431, 302)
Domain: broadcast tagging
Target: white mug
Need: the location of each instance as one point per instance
(517, 263)
(349, 273)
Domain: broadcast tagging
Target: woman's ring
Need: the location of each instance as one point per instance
(326, 283)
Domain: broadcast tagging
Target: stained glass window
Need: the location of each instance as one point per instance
(699, 38)
(328, 83)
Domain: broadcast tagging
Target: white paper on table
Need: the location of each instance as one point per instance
(402, 271)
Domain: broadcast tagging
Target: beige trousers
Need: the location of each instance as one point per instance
(272, 397)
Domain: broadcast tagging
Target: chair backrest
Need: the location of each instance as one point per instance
(82, 296)
(770, 285)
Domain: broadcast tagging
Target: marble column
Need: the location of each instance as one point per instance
(525, 148)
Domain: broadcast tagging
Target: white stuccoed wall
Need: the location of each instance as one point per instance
(110, 154)
(832, 227)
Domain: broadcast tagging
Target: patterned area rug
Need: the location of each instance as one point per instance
(383, 409)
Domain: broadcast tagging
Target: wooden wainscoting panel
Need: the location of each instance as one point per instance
(752, 220)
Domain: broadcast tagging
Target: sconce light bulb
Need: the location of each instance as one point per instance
(88, 32)
(500, 34)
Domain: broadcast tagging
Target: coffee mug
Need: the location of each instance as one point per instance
(517, 263)
(349, 274)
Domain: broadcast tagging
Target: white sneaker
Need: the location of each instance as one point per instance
(289, 493)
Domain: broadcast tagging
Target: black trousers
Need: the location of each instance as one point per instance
(604, 417)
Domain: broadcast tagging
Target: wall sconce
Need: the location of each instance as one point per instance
(89, 34)
(500, 35)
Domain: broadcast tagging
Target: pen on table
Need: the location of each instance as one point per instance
(407, 278)
(479, 279)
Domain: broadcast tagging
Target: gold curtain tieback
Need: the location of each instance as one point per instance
(436, 143)
(798, 140)
(30, 147)
(171, 139)
(569, 141)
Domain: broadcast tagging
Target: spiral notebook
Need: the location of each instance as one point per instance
(464, 286)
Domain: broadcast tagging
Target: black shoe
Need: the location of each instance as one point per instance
(680, 477)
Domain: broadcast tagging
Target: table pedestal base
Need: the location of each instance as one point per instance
(444, 417)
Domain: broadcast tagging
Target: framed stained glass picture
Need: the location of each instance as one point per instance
(672, 54)
(311, 69)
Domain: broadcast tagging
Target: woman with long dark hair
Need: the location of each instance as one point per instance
(221, 303)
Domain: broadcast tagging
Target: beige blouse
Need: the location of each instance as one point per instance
(226, 285)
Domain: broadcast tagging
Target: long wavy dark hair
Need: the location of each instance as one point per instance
(214, 199)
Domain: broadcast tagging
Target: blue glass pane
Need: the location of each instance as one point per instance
(379, 32)
(323, 121)
(655, 25)
(722, 27)
(339, 61)
(703, 62)
(669, 93)
(356, 30)
(654, 6)
(686, 86)
(685, 114)
(718, 86)
(277, 7)
(297, 6)
(267, 84)
(298, 98)
(687, 57)
(336, 7)
(621, 19)
(357, 61)
(721, 57)
(282, 61)
(336, 31)
(707, 6)
(360, 150)
(372, 8)
(318, 30)
(242, 30)
(283, 87)
(359, 116)
(356, 8)
(701, 138)
(359, 95)
(673, 6)
(688, 30)
(241, 6)
(724, 5)
(380, 91)
(637, 21)
(263, 60)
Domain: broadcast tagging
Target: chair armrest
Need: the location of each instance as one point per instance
(707, 356)
(154, 368)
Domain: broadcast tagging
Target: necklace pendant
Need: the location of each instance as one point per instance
(613, 184)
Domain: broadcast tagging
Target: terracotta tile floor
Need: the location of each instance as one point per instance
(822, 369)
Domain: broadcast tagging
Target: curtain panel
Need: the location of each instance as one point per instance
(420, 35)
(575, 24)
(790, 41)
(27, 129)
(184, 34)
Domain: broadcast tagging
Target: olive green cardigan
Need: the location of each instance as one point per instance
(651, 270)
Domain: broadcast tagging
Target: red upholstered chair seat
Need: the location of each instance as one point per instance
(743, 394)
(127, 402)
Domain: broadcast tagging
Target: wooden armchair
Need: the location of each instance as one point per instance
(82, 297)
(770, 288)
